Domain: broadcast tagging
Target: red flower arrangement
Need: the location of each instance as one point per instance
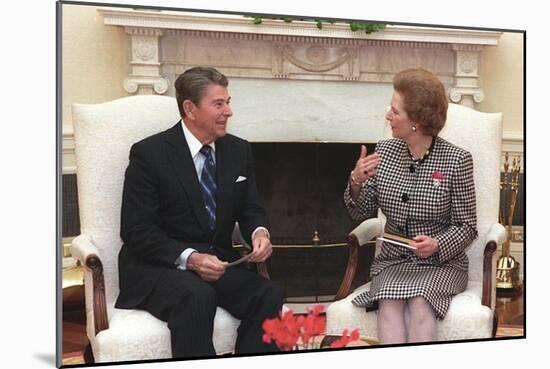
(291, 332)
(346, 338)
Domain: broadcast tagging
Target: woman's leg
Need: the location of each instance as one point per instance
(423, 323)
(391, 321)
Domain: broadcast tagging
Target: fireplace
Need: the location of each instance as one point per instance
(302, 185)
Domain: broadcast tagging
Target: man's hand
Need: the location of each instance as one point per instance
(261, 247)
(207, 266)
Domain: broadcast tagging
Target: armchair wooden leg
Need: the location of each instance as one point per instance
(88, 354)
(495, 323)
(328, 340)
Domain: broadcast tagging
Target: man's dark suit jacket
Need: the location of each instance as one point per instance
(163, 210)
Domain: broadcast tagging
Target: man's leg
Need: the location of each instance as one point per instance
(252, 299)
(188, 305)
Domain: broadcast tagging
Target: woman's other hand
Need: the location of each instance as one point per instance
(425, 246)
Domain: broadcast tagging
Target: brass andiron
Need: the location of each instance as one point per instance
(507, 266)
(316, 239)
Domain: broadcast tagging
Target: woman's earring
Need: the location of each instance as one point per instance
(414, 128)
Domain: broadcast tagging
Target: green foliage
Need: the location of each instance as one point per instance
(367, 27)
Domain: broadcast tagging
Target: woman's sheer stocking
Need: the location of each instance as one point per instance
(423, 323)
(391, 321)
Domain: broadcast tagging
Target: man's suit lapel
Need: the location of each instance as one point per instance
(224, 181)
(184, 167)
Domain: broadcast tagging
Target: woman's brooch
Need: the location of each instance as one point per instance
(437, 177)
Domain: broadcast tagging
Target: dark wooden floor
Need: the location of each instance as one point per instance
(509, 307)
(74, 322)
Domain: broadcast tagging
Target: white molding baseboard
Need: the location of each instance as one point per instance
(68, 154)
(67, 260)
(512, 141)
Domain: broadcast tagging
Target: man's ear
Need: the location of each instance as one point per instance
(189, 108)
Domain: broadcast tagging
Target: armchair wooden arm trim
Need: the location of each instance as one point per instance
(101, 321)
(486, 295)
(351, 268)
(328, 340)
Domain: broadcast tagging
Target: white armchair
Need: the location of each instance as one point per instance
(472, 312)
(104, 134)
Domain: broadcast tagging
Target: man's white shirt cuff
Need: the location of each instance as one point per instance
(260, 229)
(181, 261)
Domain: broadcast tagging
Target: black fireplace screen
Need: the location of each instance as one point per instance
(302, 185)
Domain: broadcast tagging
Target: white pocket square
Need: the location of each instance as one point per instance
(240, 179)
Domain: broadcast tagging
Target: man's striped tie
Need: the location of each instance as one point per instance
(208, 185)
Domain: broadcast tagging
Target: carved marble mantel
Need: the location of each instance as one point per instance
(165, 43)
(145, 64)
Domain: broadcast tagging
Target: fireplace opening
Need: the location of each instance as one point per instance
(302, 186)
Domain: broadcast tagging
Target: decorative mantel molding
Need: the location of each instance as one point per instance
(240, 24)
(146, 73)
(466, 90)
(165, 43)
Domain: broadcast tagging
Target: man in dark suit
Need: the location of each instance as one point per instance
(183, 192)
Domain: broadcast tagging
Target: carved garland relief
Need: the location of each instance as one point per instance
(316, 59)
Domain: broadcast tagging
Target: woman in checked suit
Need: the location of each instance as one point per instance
(424, 185)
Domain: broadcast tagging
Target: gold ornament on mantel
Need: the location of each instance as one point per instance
(507, 266)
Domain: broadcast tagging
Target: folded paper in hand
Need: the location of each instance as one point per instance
(397, 240)
(239, 261)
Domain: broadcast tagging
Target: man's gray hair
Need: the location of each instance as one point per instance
(191, 85)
